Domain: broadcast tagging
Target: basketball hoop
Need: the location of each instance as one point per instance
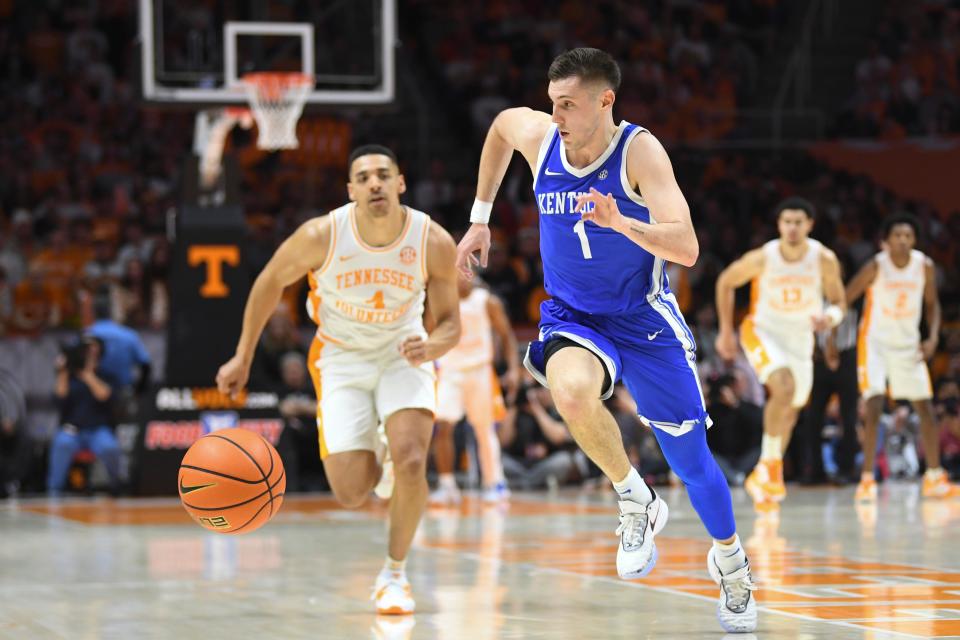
(276, 100)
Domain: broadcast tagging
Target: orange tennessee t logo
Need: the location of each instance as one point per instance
(214, 255)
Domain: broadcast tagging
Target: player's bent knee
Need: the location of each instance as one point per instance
(782, 385)
(575, 395)
(410, 463)
(350, 497)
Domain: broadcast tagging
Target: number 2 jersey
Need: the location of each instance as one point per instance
(370, 298)
(588, 267)
(894, 301)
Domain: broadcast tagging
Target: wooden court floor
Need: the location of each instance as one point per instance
(542, 567)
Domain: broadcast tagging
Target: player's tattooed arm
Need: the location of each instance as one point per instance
(443, 300)
(861, 281)
(650, 173)
(931, 304)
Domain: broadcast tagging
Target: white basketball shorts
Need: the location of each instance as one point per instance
(358, 390)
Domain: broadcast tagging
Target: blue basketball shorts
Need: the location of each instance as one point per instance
(652, 350)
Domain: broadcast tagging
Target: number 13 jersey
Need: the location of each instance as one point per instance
(365, 297)
(588, 267)
(786, 296)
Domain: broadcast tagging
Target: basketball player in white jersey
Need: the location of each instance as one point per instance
(371, 264)
(467, 386)
(899, 284)
(790, 278)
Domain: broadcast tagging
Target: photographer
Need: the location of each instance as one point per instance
(85, 414)
(538, 450)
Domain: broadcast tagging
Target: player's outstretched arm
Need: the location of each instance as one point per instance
(931, 307)
(860, 282)
(832, 284)
(649, 170)
(443, 301)
(738, 273)
(302, 252)
(501, 326)
(519, 129)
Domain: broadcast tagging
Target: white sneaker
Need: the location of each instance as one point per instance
(392, 594)
(639, 523)
(447, 496)
(737, 608)
(384, 488)
(497, 493)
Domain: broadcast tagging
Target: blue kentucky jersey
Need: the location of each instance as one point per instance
(588, 267)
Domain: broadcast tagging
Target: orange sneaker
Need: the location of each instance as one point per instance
(765, 482)
(937, 485)
(866, 490)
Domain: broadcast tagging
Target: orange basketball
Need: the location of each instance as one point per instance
(232, 481)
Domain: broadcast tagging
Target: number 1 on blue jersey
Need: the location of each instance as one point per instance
(581, 231)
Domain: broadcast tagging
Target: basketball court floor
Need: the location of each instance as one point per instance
(542, 567)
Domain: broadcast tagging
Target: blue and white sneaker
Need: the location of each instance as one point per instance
(639, 523)
(497, 493)
(737, 608)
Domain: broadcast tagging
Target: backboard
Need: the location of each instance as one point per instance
(195, 51)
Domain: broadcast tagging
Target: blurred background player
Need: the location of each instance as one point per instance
(371, 265)
(790, 278)
(611, 312)
(900, 284)
(467, 386)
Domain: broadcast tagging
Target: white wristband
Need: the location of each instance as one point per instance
(480, 213)
(833, 314)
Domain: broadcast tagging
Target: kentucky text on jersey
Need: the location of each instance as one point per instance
(562, 202)
(390, 277)
(588, 267)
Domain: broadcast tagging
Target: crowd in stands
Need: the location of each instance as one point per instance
(88, 178)
(908, 84)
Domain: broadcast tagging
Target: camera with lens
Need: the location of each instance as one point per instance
(521, 395)
(75, 354)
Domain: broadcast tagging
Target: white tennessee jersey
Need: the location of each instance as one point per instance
(894, 301)
(370, 298)
(476, 340)
(788, 294)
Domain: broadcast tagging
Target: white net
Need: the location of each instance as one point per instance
(276, 100)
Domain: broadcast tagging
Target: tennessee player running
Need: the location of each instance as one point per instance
(899, 284)
(790, 277)
(371, 265)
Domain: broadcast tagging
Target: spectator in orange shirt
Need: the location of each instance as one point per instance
(35, 305)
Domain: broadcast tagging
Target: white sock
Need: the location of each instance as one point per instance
(770, 448)
(633, 488)
(394, 567)
(447, 481)
(729, 557)
(934, 473)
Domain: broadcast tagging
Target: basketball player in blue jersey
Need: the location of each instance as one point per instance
(611, 215)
